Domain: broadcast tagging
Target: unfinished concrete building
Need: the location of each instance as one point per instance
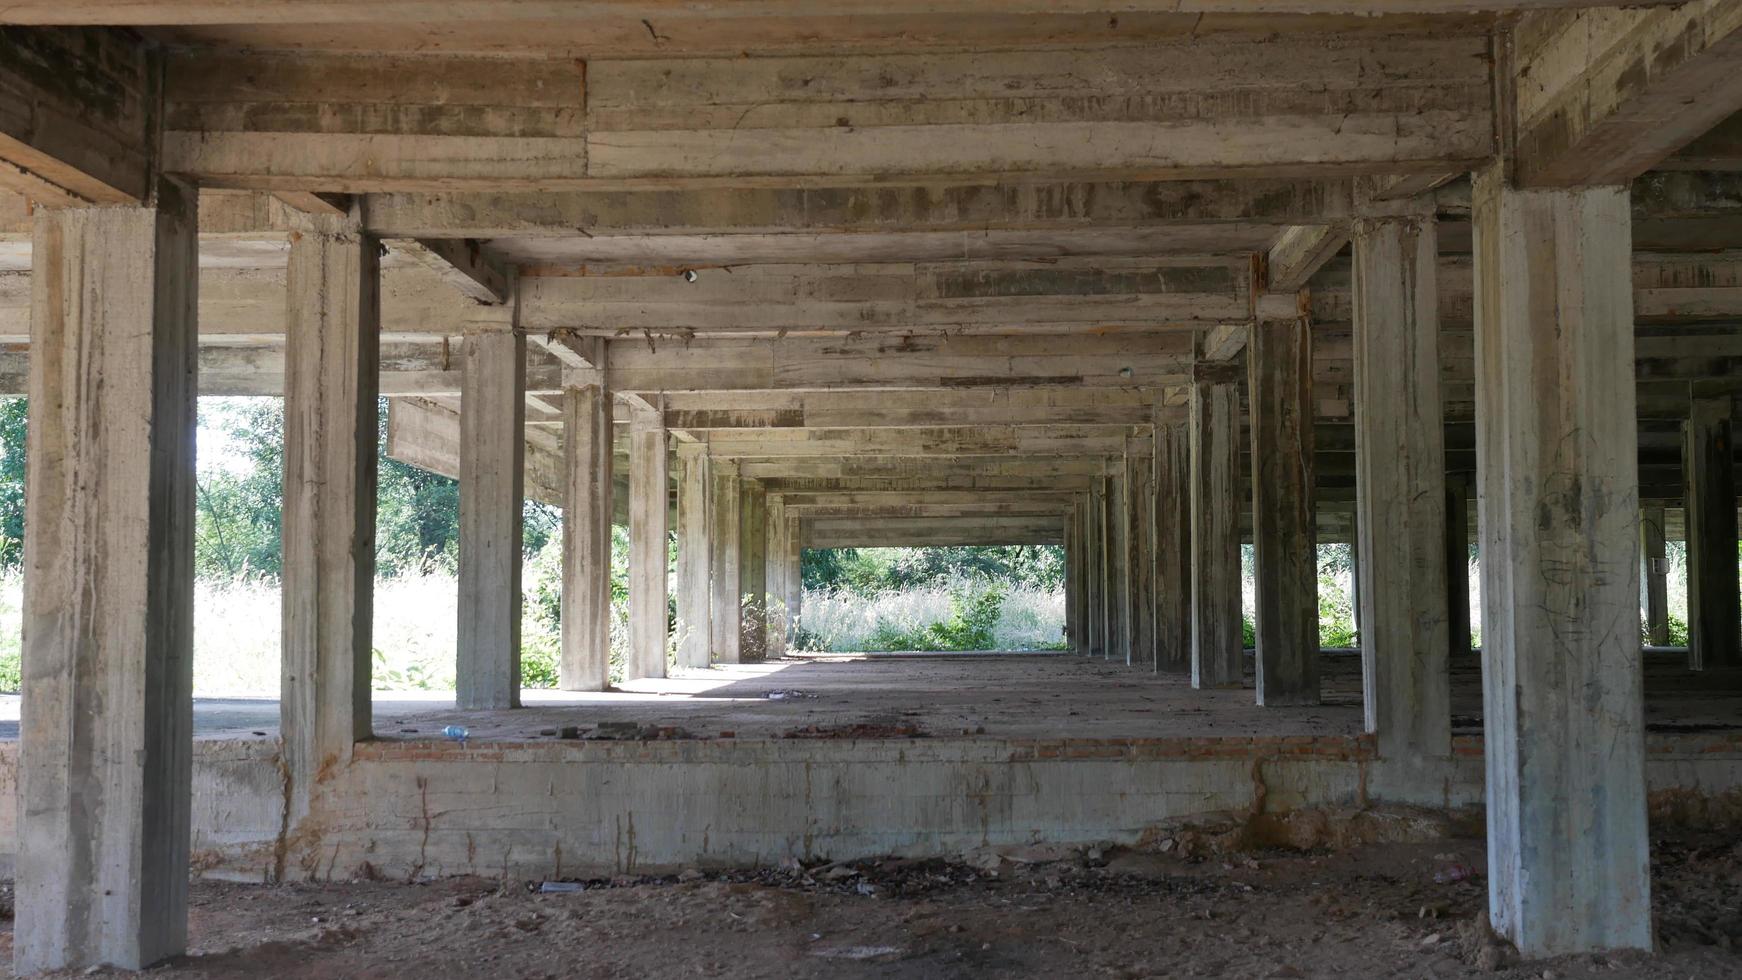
(1147, 279)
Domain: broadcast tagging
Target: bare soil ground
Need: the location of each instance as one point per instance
(1378, 910)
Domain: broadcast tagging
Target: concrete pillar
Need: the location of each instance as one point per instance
(1458, 566)
(586, 598)
(725, 569)
(753, 569)
(648, 544)
(1279, 360)
(1173, 551)
(106, 737)
(695, 545)
(1654, 569)
(1217, 650)
(1140, 549)
(1074, 639)
(1559, 509)
(492, 474)
(1714, 607)
(793, 573)
(774, 578)
(1095, 567)
(331, 442)
(1400, 492)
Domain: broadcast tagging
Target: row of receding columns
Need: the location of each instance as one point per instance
(729, 562)
(104, 779)
(1560, 526)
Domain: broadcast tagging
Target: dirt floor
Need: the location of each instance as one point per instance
(1377, 910)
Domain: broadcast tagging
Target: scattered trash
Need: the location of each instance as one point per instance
(547, 732)
(561, 887)
(861, 730)
(569, 732)
(857, 952)
(630, 731)
(1454, 872)
(261, 734)
(787, 695)
(690, 874)
(457, 733)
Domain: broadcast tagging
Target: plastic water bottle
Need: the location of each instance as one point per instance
(456, 732)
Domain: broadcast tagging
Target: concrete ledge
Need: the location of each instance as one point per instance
(415, 809)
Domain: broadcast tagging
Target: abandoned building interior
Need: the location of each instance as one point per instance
(1144, 279)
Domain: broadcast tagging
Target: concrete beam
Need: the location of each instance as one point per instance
(1605, 95)
(284, 121)
(77, 116)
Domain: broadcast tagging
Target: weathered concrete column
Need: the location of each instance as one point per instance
(1217, 649)
(331, 442)
(106, 740)
(1173, 551)
(586, 598)
(648, 554)
(1279, 361)
(793, 575)
(1095, 568)
(1458, 566)
(1714, 608)
(1075, 639)
(492, 476)
(695, 547)
(1118, 613)
(1556, 452)
(725, 568)
(1400, 487)
(753, 570)
(1139, 516)
(1654, 568)
(774, 577)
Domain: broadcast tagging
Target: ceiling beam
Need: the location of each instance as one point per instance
(77, 114)
(1602, 96)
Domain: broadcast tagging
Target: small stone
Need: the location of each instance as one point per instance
(547, 732)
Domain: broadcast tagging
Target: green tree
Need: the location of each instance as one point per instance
(12, 435)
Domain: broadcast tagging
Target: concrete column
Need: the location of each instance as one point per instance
(753, 569)
(1095, 568)
(586, 598)
(1654, 568)
(1217, 649)
(1400, 487)
(1140, 550)
(1458, 566)
(1073, 580)
(331, 442)
(1559, 509)
(774, 578)
(492, 474)
(648, 544)
(106, 737)
(725, 569)
(695, 546)
(1714, 607)
(1112, 565)
(1279, 360)
(1173, 552)
(794, 575)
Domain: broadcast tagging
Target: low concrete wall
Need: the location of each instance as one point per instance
(426, 809)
